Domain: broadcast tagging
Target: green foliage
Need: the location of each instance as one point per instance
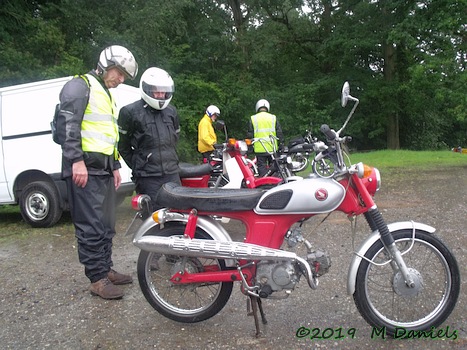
(405, 60)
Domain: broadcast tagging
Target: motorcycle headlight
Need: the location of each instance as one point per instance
(242, 147)
(371, 177)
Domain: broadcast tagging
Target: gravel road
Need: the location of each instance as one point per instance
(45, 302)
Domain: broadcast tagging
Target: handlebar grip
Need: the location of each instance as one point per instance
(308, 146)
(326, 130)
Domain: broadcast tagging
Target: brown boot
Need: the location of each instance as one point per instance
(119, 278)
(105, 289)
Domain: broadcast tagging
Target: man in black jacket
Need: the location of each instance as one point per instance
(149, 131)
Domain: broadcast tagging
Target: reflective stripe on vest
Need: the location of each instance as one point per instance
(264, 124)
(99, 128)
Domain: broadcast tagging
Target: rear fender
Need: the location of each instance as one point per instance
(207, 224)
(396, 226)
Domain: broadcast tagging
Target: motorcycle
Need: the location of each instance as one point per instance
(292, 159)
(299, 152)
(227, 167)
(401, 276)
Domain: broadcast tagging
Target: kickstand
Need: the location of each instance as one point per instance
(256, 304)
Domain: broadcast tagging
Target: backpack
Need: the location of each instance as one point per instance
(57, 130)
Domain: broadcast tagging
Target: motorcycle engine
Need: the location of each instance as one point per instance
(320, 262)
(274, 276)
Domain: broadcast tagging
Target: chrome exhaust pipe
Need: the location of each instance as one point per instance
(178, 245)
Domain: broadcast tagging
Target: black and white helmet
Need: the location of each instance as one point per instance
(157, 88)
(120, 57)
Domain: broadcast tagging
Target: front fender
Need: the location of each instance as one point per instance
(396, 226)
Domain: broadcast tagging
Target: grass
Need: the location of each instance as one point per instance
(386, 159)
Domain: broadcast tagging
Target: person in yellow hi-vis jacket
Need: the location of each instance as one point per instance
(206, 134)
(90, 164)
(261, 126)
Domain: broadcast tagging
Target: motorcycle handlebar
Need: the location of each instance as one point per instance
(326, 130)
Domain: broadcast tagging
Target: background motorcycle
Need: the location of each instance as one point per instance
(290, 160)
(227, 167)
(299, 152)
(401, 276)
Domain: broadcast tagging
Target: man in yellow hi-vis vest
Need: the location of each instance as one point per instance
(87, 121)
(261, 126)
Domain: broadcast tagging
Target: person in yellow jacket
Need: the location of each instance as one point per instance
(261, 126)
(206, 134)
(90, 164)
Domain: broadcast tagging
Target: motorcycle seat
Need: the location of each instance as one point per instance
(172, 195)
(193, 170)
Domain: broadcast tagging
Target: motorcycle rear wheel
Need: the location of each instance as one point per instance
(384, 300)
(187, 303)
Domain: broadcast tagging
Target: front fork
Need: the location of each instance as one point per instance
(376, 222)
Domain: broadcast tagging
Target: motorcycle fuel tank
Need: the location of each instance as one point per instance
(307, 196)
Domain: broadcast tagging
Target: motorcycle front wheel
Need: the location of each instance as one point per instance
(186, 303)
(383, 298)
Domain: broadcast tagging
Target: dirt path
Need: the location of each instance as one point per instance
(45, 304)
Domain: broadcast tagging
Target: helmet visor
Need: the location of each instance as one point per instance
(160, 92)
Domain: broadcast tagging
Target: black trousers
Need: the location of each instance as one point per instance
(263, 162)
(151, 185)
(93, 215)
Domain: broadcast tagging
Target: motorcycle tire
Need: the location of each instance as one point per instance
(383, 298)
(187, 303)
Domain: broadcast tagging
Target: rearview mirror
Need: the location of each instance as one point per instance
(345, 94)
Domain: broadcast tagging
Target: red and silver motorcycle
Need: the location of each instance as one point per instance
(401, 276)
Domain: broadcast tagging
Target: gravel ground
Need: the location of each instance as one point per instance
(45, 302)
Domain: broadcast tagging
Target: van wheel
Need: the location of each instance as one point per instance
(40, 204)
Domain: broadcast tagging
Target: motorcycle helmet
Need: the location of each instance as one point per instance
(262, 104)
(120, 57)
(211, 110)
(157, 88)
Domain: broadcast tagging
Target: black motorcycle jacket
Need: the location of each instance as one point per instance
(148, 139)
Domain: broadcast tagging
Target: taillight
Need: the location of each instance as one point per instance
(138, 202)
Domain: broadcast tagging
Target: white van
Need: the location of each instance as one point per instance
(30, 161)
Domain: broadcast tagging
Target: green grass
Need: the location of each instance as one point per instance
(386, 159)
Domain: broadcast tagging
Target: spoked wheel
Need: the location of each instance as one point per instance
(384, 299)
(181, 302)
(324, 168)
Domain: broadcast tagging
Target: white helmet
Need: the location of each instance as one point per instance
(261, 104)
(211, 110)
(156, 80)
(120, 57)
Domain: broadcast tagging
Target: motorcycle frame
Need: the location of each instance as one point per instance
(263, 230)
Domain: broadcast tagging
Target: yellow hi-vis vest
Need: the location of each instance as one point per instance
(264, 124)
(99, 128)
